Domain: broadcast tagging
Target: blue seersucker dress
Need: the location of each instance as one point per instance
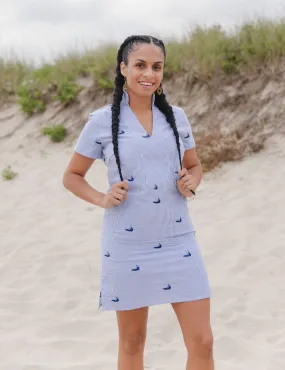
(149, 251)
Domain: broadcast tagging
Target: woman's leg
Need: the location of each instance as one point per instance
(194, 320)
(132, 325)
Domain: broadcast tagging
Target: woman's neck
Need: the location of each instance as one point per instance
(138, 103)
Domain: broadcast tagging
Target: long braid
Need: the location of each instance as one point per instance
(160, 100)
(118, 93)
(163, 105)
(117, 97)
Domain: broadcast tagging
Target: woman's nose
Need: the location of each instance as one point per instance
(148, 72)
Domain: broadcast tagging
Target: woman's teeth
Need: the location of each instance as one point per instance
(146, 83)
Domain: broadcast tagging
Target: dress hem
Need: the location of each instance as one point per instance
(179, 300)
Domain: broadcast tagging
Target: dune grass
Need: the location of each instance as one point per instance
(57, 133)
(12, 74)
(8, 174)
(204, 52)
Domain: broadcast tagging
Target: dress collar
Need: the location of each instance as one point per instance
(125, 99)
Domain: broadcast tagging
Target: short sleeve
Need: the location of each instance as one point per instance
(89, 142)
(184, 128)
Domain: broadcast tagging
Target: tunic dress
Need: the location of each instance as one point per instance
(149, 250)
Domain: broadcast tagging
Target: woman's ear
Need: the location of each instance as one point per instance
(123, 68)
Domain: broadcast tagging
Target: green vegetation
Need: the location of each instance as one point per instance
(31, 99)
(67, 91)
(12, 73)
(8, 174)
(106, 84)
(43, 85)
(57, 133)
(206, 52)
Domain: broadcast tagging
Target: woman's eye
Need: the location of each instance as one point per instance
(140, 65)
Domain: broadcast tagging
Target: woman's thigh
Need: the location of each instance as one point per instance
(132, 323)
(194, 320)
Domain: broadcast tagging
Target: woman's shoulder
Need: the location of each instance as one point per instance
(180, 115)
(102, 113)
(178, 110)
(100, 119)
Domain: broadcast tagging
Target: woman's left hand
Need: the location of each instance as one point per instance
(186, 183)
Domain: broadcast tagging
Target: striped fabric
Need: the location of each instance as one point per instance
(149, 251)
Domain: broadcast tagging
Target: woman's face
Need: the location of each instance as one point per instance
(144, 71)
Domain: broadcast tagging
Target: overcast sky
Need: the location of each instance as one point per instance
(37, 28)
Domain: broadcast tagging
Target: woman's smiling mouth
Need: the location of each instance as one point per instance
(146, 84)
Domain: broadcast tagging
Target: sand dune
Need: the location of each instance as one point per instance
(49, 266)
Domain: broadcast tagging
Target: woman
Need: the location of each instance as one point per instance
(149, 250)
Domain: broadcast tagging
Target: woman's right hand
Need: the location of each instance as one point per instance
(116, 195)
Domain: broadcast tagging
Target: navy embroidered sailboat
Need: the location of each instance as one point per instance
(158, 246)
(187, 255)
(130, 229)
(136, 268)
(157, 201)
(168, 287)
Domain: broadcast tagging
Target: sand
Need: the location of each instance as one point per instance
(49, 266)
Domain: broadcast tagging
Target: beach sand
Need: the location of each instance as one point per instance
(50, 266)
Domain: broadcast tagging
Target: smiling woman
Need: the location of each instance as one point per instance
(143, 72)
(150, 254)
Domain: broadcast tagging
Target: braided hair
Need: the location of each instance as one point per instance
(160, 100)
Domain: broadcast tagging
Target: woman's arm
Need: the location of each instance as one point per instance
(193, 165)
(74, 181)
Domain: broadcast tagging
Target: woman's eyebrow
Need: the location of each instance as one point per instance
(141, 60)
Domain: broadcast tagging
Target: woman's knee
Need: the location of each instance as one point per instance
(133, 343)
(201, 345)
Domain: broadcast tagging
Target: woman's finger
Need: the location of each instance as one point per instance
(116, 202)
(118, 196)
(181, 190)
(186, 178)
(123, 184)
(188, 185)
(182, 183)
(183, 172)
(120, 191)
(190, 182)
